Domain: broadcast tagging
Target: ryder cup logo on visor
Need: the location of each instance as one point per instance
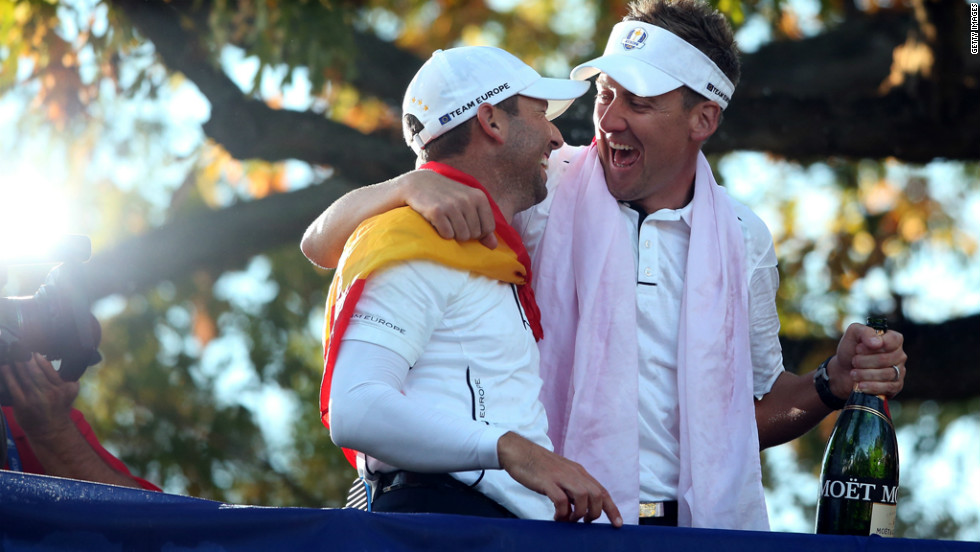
(635, 39)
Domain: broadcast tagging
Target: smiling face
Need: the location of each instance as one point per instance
(530, 141)
(647, 145)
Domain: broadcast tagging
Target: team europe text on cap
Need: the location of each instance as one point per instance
(649, 60)
(450, 86)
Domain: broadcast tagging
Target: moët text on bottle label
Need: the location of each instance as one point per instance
(865, 489)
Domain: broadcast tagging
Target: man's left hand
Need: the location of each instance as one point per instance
(875, 363)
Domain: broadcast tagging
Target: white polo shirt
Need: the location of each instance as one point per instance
(660, 248)
(469, 374)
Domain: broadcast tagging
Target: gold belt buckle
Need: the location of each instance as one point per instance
(652, 509)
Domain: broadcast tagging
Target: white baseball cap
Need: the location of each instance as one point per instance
(649, 60)
(450, 86)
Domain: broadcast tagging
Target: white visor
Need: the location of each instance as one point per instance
(649, 60)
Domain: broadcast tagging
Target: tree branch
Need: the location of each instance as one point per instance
(214, 241)
(248, 128)
(804, 99)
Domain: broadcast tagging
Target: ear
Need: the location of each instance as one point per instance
(704, 120)
(491, 122)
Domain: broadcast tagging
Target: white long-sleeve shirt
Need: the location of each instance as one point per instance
(434, 367)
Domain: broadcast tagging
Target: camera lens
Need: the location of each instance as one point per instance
(55, 322)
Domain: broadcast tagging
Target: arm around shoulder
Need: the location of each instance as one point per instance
(455, 210)
(324, 239)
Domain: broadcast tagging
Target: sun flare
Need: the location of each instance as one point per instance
(33, 214)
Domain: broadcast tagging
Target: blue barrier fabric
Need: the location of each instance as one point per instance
(48, 513)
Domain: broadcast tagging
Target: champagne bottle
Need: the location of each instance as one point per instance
(859, 479)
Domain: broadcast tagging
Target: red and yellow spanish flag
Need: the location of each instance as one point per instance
(403, 235)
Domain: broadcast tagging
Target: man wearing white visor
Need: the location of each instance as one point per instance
(431, 377)
(661, 359)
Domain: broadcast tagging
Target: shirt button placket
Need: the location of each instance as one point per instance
(648, 253)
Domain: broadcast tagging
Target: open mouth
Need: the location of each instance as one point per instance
(623, 156)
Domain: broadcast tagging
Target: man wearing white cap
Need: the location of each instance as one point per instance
(647, 272)
(431, 379)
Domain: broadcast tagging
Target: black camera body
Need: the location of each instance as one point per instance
(56, 320)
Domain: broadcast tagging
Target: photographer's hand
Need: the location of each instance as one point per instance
(41, 401)
(42, 406)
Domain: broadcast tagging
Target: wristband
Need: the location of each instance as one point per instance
(821, 381)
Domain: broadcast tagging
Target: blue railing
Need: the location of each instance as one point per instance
(47, 513)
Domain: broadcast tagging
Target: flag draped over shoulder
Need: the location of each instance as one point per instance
(404, 235)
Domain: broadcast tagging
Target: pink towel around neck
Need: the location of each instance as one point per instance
(589, 350)
(586, 288)
(720, 483)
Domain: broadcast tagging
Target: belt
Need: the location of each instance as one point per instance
(437, 493)
(659, 513)
(405, 479)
